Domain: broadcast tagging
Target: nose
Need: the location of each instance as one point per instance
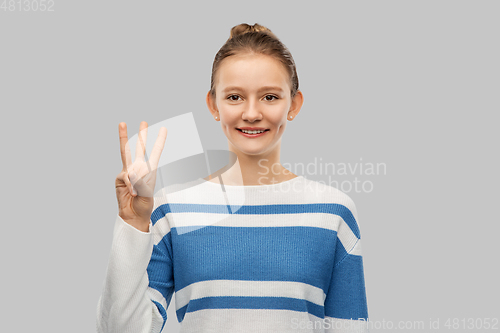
(252, 112)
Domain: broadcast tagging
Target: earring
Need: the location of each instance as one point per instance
(290, 117)
(216, 117)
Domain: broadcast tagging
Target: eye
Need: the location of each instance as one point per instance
(271, 99)
(230, 97)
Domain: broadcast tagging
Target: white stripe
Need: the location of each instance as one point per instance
(357, 249)
(302, 191)
(155, 295)
(160, 229)
(319, 220)
(214, 288)
(251, 320)
(346, 236)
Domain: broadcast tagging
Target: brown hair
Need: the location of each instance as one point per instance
(245, 38)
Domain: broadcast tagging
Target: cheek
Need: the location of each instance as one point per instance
(228, 119)
(278, 120)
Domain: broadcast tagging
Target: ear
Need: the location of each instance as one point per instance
(296, 105)
(212, 106)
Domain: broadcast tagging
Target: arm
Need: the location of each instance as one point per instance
(346, 307)
(130, 302)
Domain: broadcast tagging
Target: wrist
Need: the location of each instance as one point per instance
(139, 224)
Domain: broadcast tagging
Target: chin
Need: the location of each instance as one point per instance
(251, 152)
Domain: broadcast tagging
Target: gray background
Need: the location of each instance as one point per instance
(411, 84)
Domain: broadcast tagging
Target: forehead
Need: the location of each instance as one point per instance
(251, 71)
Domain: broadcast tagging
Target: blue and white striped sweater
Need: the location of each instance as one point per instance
(273, 258)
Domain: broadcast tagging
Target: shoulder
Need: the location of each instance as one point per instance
(336, 202)
(319, 191)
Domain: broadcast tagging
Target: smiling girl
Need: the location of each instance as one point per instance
(276, 253)
(254, 90)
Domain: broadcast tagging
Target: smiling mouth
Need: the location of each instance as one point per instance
(253, 132)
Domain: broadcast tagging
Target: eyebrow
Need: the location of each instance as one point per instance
(261, 89)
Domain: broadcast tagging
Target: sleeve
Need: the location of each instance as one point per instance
(346, 308)
(130, 300)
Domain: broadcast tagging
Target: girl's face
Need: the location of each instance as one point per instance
(253, 91)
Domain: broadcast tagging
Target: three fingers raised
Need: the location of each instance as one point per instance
(141, 145)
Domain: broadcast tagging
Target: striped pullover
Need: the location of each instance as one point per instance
(273, 258)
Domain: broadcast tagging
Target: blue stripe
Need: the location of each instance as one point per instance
(160, 269)
(162, 312)
(328, 208)
(237, 302)
(346, 298)
(340, 253)
(302, 254)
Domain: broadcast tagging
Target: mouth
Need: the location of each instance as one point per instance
(251, 133)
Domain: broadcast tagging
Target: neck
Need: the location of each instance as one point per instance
(261, 169)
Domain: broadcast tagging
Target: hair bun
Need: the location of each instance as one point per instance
(246, 39)
(243, 28)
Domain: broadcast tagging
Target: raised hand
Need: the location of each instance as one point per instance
(135, 183)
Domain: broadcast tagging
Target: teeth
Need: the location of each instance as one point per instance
(251, 132)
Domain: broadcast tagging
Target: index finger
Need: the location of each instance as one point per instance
(124, 146)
